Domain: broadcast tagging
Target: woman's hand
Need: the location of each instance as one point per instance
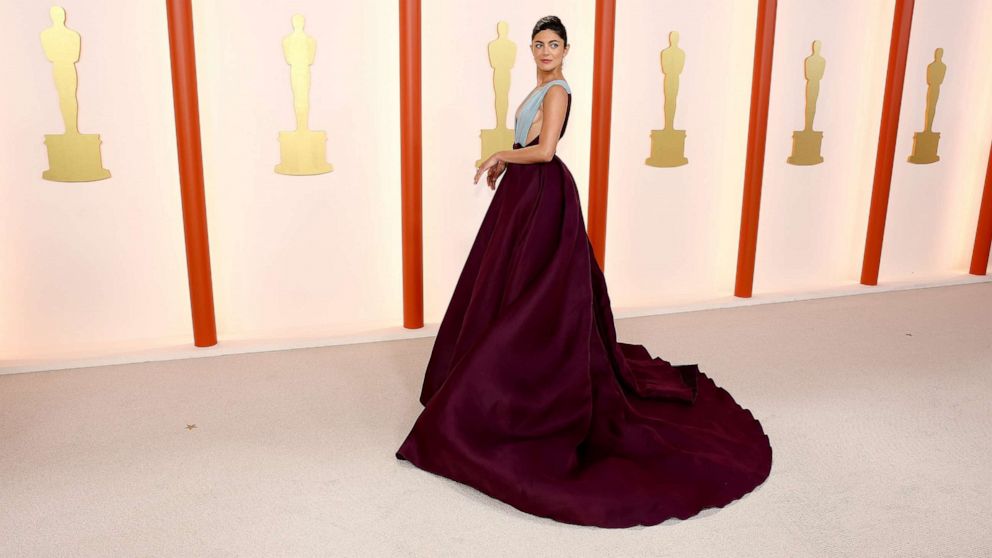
(494, 173)
(494, 167)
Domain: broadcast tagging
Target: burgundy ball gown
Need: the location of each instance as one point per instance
(529, 398)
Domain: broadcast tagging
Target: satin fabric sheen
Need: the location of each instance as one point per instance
(529, 397)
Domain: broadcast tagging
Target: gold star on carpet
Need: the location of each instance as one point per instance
(190, 426)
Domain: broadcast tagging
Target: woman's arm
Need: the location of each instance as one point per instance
(554, 105)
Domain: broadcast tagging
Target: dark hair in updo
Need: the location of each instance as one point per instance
(553, 23)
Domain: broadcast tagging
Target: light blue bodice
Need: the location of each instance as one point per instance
(521, 126)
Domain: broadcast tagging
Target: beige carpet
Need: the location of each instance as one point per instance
(878, 407)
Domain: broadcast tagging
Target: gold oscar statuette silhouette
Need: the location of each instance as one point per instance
(302, 151)
(502, 54)
(668, 145)
(806, 143)
(72, 157)
(925, 142)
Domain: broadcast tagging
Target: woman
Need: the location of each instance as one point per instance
(529, 397)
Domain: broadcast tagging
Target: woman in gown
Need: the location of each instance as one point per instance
(529, 397)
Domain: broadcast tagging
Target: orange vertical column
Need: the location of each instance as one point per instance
(184, 97)
(895, 76)
(983, 236)
(602, 103)
(411, 165)
(754, 166)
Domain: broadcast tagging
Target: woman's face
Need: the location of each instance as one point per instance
(548, 50)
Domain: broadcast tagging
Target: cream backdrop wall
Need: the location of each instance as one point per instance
(458, 102)
(933, 209)
(99, 268)
(811, 233)
(672, 232)
(90, 267)
(313, 255)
